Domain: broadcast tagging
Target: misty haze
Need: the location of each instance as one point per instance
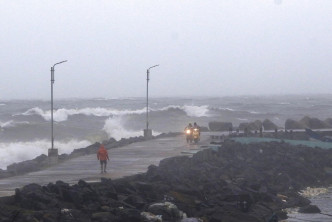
(207, 110)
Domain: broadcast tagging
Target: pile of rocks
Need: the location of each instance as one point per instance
(290, 124)
(308, 122)
(253, 182)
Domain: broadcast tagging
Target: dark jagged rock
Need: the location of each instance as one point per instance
(308, 122)
(269, 125)
(237, 182)
(309, 209)
(5, 173)
(204, 129)
(28, 165)
(292, 124)
(313, 123)
(328, 122)
(256, 125)
(220, 126)
(191, 220)
(169, 211)
(85, 151)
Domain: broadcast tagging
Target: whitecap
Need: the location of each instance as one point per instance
(20, 151)
(310, 192)
(60, 115)
(254, 112)
(12, 123)
(242, 119)
(196, 111)
(115, 129)
(227, 109)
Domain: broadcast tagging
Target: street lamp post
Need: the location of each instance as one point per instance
(53, 153)
(147, 131)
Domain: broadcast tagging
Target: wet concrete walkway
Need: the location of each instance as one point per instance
(124, 161)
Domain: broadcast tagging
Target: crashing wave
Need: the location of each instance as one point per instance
(21, 151)
(60, 115)
(12, 123)
(114, 128)
(310, 192)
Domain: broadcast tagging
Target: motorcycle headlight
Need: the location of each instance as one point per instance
(188, 131)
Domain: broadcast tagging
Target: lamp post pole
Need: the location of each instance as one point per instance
(147, 132)
(52, 82)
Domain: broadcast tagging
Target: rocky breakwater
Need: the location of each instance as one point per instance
(308, 122)
(237, 182)
(41, 162)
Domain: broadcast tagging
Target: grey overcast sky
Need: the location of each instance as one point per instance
(204, 47)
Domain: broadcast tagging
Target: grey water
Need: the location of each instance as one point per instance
(324, 202)
(25, 126)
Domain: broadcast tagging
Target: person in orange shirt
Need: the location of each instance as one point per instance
(102, 156)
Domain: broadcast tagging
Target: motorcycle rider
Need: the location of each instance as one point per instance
(197, 127)
(188, 127)
(188, 134)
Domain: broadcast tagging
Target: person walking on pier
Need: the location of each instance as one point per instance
(102, 156)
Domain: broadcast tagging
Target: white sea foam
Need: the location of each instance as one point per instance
(21, 151)
(60, 115)
(242, 119)
(114, 128)
(254, 112)
(227, 109)
(196, 111)
(11, 123)
(310, 192)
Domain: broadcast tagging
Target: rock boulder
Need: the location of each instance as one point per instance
(220, 126)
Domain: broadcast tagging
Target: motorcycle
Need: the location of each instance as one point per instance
(196, 135)
(188, 133)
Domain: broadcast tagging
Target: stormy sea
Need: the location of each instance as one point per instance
(25, 125)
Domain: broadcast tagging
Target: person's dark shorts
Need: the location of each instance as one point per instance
(103, 162)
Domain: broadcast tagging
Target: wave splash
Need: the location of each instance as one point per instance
(12, 123)
(61, 115)
(21, 151)
(196, 111)
(114, 128)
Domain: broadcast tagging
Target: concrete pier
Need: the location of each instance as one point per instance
(124, 161)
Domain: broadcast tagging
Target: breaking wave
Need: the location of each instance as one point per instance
(243, 119)
(254, 112)
(196, 111)
(60, 115)
(12, 123)
(310, 192)
(21, 151)
(227, 109)
(114, 128)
